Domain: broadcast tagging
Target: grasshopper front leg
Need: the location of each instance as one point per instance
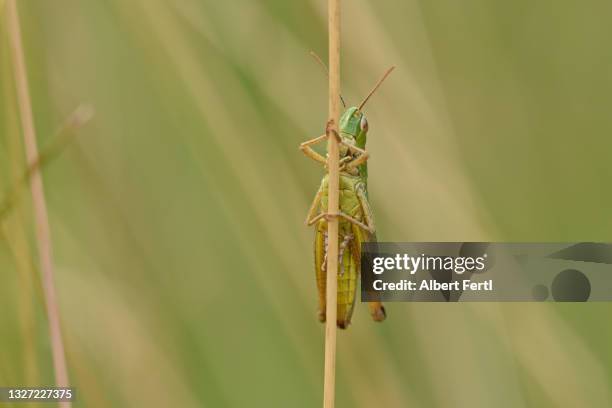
(309, 152)
(362, 157)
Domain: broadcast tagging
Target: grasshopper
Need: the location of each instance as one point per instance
(356, 220)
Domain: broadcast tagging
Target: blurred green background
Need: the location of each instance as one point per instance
(184, 270)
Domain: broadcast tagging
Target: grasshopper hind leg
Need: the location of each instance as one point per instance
(347, 276)
(320, 261)
(377, 311)
(347, 283)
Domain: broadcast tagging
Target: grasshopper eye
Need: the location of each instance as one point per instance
(364, 124)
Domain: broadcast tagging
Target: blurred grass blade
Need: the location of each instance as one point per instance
(63, 138)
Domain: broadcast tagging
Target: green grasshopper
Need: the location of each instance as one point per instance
(356, 223)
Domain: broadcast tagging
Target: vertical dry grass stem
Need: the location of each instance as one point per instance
(43, 234)
(329, 391)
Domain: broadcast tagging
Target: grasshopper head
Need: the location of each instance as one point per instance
(353, 123)
(354, 126)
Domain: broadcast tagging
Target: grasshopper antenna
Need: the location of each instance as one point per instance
(362, 104)
(320, 61)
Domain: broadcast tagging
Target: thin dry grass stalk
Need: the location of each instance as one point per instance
(43, 234)
(329, 388)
